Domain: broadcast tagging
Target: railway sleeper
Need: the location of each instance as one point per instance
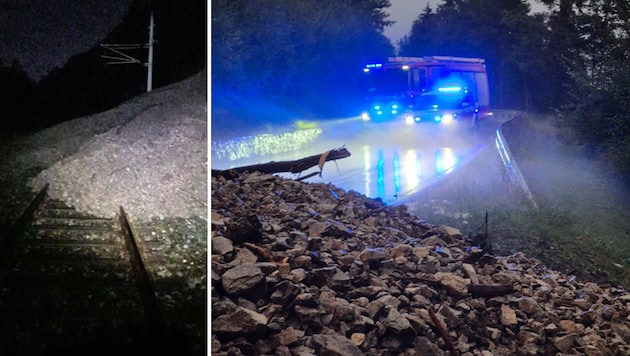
(71, 251)
(59, 286)
(64, 225)
(72, 282)
(77, 238)
(68, 213)
(85, 269)
(58, 211)
(50, 203)
(96, 296)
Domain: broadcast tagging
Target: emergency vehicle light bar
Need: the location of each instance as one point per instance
(434, 59)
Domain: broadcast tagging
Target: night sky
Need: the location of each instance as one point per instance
(44, 34)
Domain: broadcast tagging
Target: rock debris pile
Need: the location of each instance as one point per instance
(154, 164)
(309, 269)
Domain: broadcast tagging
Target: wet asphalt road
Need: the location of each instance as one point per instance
(389, 160)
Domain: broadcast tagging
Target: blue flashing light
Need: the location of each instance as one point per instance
(380, 175)
(377, 107)
(366, 70)
(437, 118)
(396, 163)
(452, 89)
(374, 65)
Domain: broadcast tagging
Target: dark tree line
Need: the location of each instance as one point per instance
(309, 51)
(574, 60)
(86, 85)
(16, 92)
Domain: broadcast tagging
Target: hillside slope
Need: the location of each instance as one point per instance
(148, 155)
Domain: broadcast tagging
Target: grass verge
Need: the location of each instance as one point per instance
(581, 226)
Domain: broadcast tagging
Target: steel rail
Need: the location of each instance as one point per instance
(153, 316)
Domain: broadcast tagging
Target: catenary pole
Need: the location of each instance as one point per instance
(115, 53)
(150, 60)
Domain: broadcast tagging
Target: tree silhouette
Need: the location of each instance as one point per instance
(309, 51)
(17, 97)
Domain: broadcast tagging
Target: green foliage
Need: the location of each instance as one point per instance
(619, 129)
(601, 119)
(599, 103)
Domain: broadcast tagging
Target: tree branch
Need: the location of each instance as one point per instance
(296, 166)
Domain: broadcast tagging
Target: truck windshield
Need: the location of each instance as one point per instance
(438, 101)
(388, 82)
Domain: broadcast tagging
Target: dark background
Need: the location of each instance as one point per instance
(33, 99)
(572, 62)
(306, 56)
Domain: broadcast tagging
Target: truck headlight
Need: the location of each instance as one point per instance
(447, 118)
(409, 119)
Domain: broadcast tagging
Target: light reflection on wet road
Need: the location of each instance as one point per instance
(389, 160)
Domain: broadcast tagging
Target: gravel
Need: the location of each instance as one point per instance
(154, 165)
(309, 269)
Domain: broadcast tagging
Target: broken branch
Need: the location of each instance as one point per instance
(572, 303)
(266, 256)
(490, 290)
(442, 332)
(296, 166)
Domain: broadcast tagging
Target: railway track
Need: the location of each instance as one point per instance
(75, 283)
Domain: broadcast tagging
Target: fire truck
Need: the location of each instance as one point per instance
(436, 89)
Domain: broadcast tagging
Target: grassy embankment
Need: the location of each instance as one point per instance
(581, 226)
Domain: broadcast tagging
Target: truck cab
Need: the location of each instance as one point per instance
(444, 105)
(421, 89)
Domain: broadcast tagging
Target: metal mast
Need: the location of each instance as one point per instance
(117, 56)
(150, 59)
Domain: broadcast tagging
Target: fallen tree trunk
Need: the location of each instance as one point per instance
(295, 166)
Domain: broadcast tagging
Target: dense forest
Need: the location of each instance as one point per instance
(86, 84)
(573, 61)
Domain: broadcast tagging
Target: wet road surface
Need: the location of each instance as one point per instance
(389, 160)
